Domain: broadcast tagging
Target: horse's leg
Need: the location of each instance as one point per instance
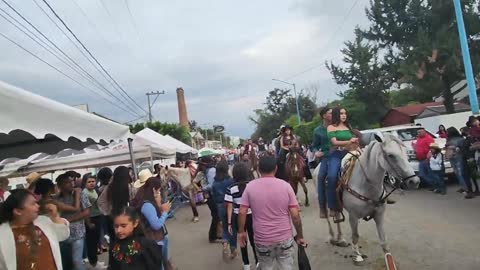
(331, 239)
(357, 256)
(341, 242)
(305, 190)
(379, 221)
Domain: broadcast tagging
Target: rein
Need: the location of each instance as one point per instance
(383, 198)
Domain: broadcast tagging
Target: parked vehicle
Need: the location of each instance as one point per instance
(408, 135)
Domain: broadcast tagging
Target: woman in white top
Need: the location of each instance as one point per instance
(30, 241)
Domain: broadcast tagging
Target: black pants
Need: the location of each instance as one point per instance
(92, 239)
(111, 235)
(66, 253)
(212, 233)
(249, 230)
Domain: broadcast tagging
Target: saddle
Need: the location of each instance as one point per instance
(348, 163)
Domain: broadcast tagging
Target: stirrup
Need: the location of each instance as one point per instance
(337, 219)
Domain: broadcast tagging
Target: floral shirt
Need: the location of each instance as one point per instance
(136, 253)
(77, 229)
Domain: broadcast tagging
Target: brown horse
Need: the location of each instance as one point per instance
(294, 169)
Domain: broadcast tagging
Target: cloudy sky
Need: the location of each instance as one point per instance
(223, 53)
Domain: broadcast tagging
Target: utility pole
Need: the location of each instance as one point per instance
(157, 94)
(472, 89)
(296, 98)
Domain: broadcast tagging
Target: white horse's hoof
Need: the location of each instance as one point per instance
(358, 260)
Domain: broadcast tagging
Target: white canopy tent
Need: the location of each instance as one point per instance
(113, 154)
(31, 124)
(156, 137)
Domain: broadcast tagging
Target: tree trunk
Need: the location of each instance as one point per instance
(447, 95)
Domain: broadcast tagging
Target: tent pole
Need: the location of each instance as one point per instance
(130, 149)
(151, 160)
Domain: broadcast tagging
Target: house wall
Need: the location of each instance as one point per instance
(394, 118)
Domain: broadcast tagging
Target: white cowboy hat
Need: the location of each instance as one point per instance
(143, 176)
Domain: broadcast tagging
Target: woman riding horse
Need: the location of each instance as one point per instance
(285, 142)
(342, 140)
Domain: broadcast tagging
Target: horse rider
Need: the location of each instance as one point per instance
(262, 147)
(285, 142)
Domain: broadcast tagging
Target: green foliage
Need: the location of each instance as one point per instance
(175, 130)
(305, 130)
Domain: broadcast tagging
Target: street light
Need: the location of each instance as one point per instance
(296, 97)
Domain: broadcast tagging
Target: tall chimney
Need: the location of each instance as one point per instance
(182, 108)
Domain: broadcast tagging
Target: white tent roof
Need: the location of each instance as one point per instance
(159, 138)
(33, 124)
(113, 154)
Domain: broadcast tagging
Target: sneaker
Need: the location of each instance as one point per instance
(323, 212)
(258, 265)
(461, 190)
(195, 219)
(246, 267)
(469, 196)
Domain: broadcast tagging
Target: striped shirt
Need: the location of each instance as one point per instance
(234, 195)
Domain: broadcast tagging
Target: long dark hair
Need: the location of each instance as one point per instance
(336, 117)
(452, 132)
(145, 193)
(16, 200)
(118, 193)
(221, 171)
(241, 175)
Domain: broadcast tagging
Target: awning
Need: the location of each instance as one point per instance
(31, 124)
(156, 137)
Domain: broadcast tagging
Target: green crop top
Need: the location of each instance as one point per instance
(340, 135)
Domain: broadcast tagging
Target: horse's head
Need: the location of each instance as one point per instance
(394, 160)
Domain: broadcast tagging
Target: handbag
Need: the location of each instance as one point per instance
(303, 262)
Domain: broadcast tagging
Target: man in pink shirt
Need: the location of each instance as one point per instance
(274, 205)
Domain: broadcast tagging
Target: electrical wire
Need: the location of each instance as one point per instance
(91, 55)
(61, 72)
(32, 36)
(92, 79)
(327, 44)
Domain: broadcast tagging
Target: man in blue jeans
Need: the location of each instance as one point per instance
(422, 148)
(72, 248)
(321, 147)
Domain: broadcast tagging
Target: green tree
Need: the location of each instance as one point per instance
(422, 40)
(366, 78)
(175, 130)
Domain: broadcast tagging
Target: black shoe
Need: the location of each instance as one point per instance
(461, 190)
(469, 195)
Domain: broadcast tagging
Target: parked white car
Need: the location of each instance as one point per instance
(408, 134)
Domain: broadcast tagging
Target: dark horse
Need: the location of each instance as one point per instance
(294, 170)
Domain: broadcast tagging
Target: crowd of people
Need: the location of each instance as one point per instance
(461, 150)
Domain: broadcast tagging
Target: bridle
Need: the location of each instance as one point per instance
(384, 196)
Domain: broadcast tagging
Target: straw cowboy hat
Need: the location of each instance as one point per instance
(435, 146)
(33, 177)
(143, 176)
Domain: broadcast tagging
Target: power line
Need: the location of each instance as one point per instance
(91, 55)
(61, 72)
(49, 49)
(93, 24)
(68, 57)
(132, 19)
(328, 43)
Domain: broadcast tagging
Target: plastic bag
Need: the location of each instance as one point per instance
(303, 262)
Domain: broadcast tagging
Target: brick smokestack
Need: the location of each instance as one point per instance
(182, 108)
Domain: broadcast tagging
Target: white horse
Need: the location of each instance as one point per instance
(364, 196)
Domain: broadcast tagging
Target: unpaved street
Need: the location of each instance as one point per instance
(425, 231)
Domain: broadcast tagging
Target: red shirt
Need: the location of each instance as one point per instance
(422, 147)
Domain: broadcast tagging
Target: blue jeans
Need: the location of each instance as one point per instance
(322, 175)
(439, 183)
(425, 173)
(222, 213)
(77, 254)
(458, 165)
(333, 170)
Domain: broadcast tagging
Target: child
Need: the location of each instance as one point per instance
(436, 165)
(131, 251)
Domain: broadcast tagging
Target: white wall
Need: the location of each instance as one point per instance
(456, 120)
